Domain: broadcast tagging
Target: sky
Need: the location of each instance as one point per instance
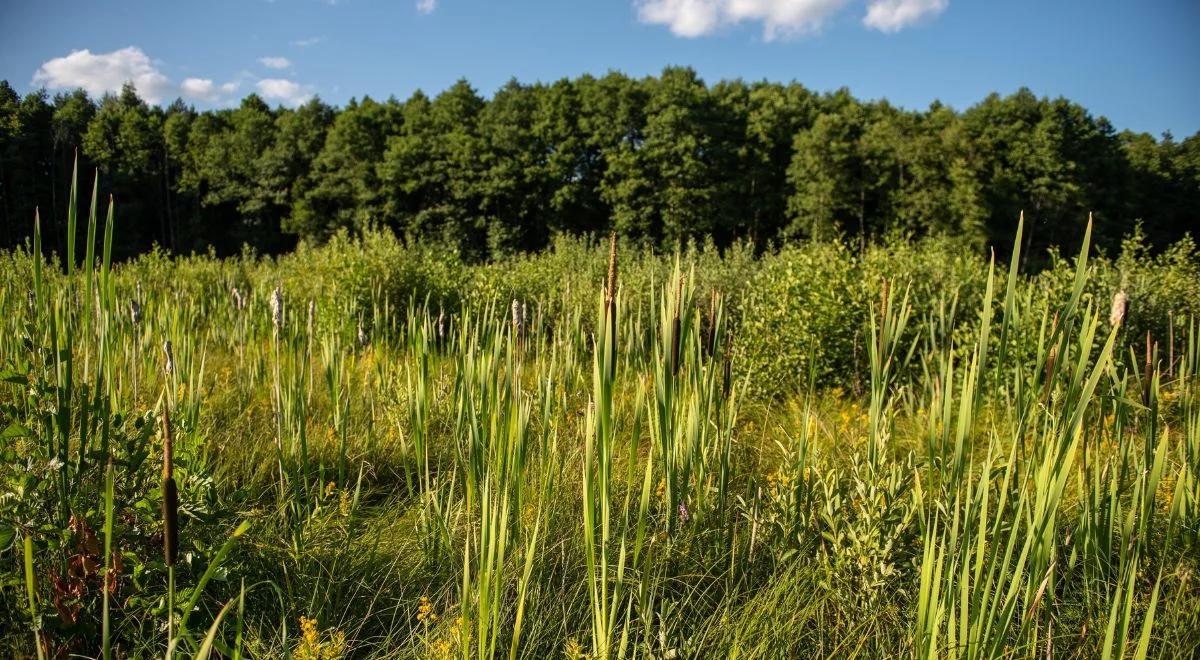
(1137, 63)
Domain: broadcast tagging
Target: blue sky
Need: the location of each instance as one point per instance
(1137, 63)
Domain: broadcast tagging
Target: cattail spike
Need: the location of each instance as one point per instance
(170, 494)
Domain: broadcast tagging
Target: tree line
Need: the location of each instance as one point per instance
(659, 160)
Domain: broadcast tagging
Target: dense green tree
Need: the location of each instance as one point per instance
(668, 184)
(826, 175)
(346, 191)
(661, 160)
(430, 169)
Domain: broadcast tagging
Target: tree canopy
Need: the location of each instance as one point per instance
(659, 160)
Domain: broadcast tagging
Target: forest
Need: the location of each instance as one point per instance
(660, 161)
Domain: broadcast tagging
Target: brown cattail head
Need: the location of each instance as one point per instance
(170, 493)
(1120, 307)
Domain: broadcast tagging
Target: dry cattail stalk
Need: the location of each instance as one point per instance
(170, 355)
(277, 309)
(363, 340)
(170, 503)
(1120, 307)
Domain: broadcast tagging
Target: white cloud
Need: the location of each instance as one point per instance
(285, 91)
(895, 15)
(203, 89)
(310, 41)
(779, 18)
(275, 62)
(426, 6)
(686, 18)
(101, 73)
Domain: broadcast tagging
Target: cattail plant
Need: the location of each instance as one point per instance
(170, 516)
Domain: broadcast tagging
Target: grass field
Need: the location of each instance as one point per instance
(371, 450)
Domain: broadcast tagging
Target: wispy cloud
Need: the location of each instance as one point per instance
(780, 19)
(287, 92)
(100, 73)
(310, 41)
(275, 62)
(426, 6)
(895, 15)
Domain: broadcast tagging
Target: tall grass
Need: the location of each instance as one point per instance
(697, 455)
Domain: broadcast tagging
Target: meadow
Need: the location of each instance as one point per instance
(373, 448)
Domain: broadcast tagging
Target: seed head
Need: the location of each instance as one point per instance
(277, 308)
(516, 317)
(1120, 307)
